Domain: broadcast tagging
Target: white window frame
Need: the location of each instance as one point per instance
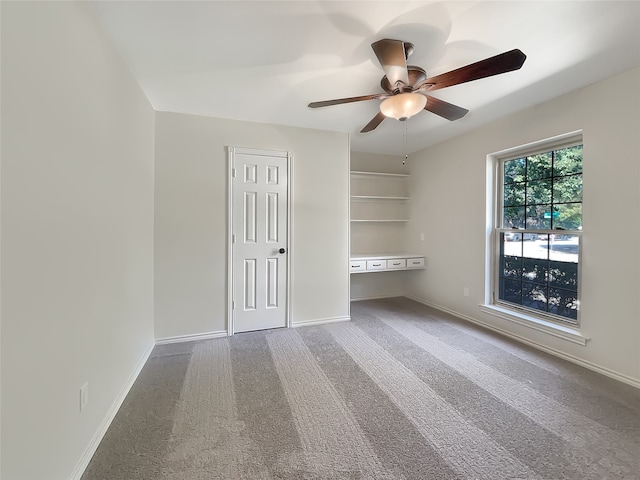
(531, 318)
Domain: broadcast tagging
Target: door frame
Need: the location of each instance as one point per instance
(231, 153)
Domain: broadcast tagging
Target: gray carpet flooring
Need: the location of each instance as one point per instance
(400, 392)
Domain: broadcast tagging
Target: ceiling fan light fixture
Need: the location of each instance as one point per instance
(403, 105)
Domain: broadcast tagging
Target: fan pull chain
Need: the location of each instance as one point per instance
(406, 155)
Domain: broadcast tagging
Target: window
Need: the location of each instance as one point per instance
(538, 226)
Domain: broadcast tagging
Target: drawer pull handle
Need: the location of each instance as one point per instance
(377, 264)
(355, 266)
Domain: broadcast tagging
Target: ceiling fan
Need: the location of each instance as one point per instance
(407, 86)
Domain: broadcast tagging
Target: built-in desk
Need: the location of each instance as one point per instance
(385, 262)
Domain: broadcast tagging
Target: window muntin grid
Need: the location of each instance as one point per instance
(543, 191)
(539, 236)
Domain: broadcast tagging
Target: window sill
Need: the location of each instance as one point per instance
(560, 331)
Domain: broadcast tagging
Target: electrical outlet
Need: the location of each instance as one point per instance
(465, 292)
(422, 237)
(84, 396)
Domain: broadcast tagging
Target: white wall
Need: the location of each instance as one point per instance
(190, 220)
(77, 233)
(373, 162)
(448, 190)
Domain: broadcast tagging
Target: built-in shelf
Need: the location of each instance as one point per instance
(380, 174)
(404, 220)
(379, 198)
(376, 197)
(379, 204)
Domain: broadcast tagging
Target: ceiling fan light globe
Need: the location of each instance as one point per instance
(403, 105)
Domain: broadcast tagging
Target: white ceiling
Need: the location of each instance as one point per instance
(264, 61)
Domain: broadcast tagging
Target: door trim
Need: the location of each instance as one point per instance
(231, 152)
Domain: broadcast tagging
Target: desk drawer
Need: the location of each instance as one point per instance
(397, 264)
(415, 262)
(357, 266)
(376, 265)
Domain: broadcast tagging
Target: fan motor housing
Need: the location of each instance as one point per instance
(416, 75)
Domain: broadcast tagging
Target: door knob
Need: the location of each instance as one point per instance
(282, 250)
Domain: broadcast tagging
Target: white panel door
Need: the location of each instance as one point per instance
(260, 186)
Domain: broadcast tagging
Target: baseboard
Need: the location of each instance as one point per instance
(191, 338)
(320, 321)
(106, 422)
(565, 356)
(379, 297)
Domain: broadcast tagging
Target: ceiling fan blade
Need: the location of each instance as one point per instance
(502, 63)
(375, 121)
(445, 109)
(392, 56)
(338, 101)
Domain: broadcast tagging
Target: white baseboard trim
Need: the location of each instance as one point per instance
(634, 382)
(379, 297)
(106, 422)
(320, 321)
(191, 338)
